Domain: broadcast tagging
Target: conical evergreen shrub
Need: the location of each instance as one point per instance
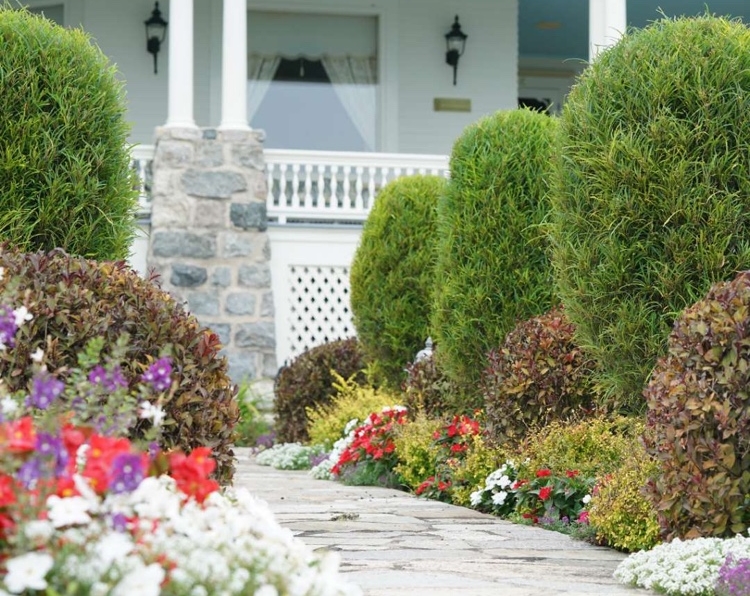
(393, 274)
(492, 268)
(652, 201)
(65, 177)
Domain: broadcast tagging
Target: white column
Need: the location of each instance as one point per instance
(607, 23)
(234, 66)
(180, 90)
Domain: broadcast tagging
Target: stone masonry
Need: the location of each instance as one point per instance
(209, 242)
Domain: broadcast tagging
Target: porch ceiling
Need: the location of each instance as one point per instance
(570, 39)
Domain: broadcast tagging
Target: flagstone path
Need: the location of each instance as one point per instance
(392, 543)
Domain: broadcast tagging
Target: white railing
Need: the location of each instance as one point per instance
(333, 186)
(141, 158)
(316, 186)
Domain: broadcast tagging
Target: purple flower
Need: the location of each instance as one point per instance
(127, 473)
(44, 390)
(97, 375)
(115, 380)
(158, 374)
(29, 472)
(734, 577)
(52, 446)
(110, 381)
(266, 440)
(318, 459)
(8, 327)
(118, 522)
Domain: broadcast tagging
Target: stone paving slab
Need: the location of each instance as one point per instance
(392, 543)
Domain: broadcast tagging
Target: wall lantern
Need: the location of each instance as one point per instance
(455, 42)
(156, 31)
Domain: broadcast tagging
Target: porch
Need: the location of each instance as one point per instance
(316, 204)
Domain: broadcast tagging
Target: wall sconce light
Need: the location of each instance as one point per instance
(156, 31)
(455, 42)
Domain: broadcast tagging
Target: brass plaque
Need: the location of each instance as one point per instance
(451, 104)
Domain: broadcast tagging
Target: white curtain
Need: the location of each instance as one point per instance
(260, 72)
(354, 80)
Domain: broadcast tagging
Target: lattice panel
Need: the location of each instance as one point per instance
(319, 306)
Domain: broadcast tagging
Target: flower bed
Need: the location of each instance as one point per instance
(87, 511)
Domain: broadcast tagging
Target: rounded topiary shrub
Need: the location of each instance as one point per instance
(392, 275)
(65, 176)
(537, 376)
(699, 415)
(652, 200)
(492, 267)
(73, 300)
(308, 382)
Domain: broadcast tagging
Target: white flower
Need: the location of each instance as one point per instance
(113, 547)
(266, 591)
(38, 356)
(68, 511)
(586, 499)
(21, 315)
(499, 498)
(476, 497)
(8, 406)
(38, 530)
(81, 453)
(144, 581)
(152, 412)
(26, 572)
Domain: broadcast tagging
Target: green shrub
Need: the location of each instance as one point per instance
(392, 275)
(74, 300)
(699, 412)
(492, 268)
(417, 454)
(65, 177)
(652, 200)
(470, 472)
(326, 421)
(594, 447)
(252, 423)
(308, 381)
(623, 516)
(537, 376)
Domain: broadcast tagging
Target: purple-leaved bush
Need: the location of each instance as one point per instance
(734, 577)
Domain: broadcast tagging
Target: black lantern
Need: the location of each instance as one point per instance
(455, 42)
(156, 31)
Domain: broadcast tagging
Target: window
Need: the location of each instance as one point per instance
(313, 81)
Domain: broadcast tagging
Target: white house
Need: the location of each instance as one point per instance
(257, 232)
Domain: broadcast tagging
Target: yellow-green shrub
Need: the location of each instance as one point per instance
(623, 516)
(469, 473)
(416, 452)
(593, 447)
(326, 422)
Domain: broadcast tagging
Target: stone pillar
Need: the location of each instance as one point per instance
(607, 23)
(180, 74)
(234, 66)
(209, 242)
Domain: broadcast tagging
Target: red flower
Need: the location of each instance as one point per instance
(543, 473)
(572, 473)
(545, 492)
(20, 435)
(7, 494)
(458, 448)
(191, 473)
(519, 483)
